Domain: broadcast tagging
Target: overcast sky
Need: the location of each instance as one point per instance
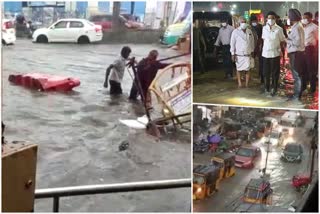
(280, 8)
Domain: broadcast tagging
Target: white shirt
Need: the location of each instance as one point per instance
(310, 34)
(242, 43)
(272, 37)
(118, 69)
(295, 41)
(224, 35)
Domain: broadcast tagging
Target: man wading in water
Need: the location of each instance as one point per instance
(116, 69)
(147, 70)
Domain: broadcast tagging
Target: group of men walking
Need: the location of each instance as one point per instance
(269, 43)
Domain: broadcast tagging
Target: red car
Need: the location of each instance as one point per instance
(129, 21)
(104, 20)
(246, 155)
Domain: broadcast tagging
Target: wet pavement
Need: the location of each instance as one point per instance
(231, 189)
(78, 133)
(211, 87)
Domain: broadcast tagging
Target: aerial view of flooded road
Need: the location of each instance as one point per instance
(79, 133)
(231, 192)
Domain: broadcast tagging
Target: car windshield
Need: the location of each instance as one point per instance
(197, 179)
(245, 152)
(292, 148)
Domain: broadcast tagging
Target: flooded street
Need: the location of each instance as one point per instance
(211, 87)
(281, 173)
(78, 133)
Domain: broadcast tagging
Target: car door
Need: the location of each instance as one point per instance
(57, 32)
(75, 29)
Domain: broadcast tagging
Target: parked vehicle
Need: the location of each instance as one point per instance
(246, 155)
(131, 21)
(30, 29)
(205, 181)
(8, 32)
(69, 30)
(273, 138)
(176, 31)
(292, 153)
(104, 20)
(290, 118)
(225, 161)
(127, 20)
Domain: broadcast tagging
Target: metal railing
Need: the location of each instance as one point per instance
(57, 193)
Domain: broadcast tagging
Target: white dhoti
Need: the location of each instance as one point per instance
(243, 63)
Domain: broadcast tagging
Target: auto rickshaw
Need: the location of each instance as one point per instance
(205, 181)
(258, 191)
(226, 163)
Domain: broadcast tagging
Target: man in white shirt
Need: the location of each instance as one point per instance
(116, 72)
(242, 48)
(311, 59)
(273, 38)
(223, 38)
(296, 48)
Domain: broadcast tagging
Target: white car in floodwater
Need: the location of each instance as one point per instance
(69, 30)
(8, 32)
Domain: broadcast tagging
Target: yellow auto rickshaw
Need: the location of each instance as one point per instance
(258, 191)
(226, 162)
(205, 181)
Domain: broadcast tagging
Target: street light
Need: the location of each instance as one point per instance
(234, 6)
(215, 9)
(232, 12)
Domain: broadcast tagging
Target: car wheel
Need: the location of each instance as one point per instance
(4, 42)
(42, 39)
(83, 40)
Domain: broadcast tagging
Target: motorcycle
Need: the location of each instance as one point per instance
(30, 29)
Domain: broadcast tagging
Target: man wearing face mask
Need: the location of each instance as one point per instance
(311, 59)
(296, 48)
(273, 38)
(223, 38)
(257, 28)
(242, 48)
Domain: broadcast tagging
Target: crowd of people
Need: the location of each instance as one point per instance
(270, 42)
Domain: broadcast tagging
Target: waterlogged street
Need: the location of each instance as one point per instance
(79, 133)
(227, 199)
(211, 87)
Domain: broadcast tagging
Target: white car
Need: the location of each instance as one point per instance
(273, 137)
(8, 32)
(69, 30)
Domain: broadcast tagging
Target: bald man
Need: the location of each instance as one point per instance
(147, 70)
(242, 49)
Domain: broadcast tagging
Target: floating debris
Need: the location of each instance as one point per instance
(124, 146)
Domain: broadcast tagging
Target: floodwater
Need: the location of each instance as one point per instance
(281, 173)
(211, 87)
(78, 133)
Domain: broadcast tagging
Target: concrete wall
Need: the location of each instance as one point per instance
(138, 37)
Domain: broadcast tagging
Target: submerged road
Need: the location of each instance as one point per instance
(231, 189)
(79, 133)
(211, 87)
